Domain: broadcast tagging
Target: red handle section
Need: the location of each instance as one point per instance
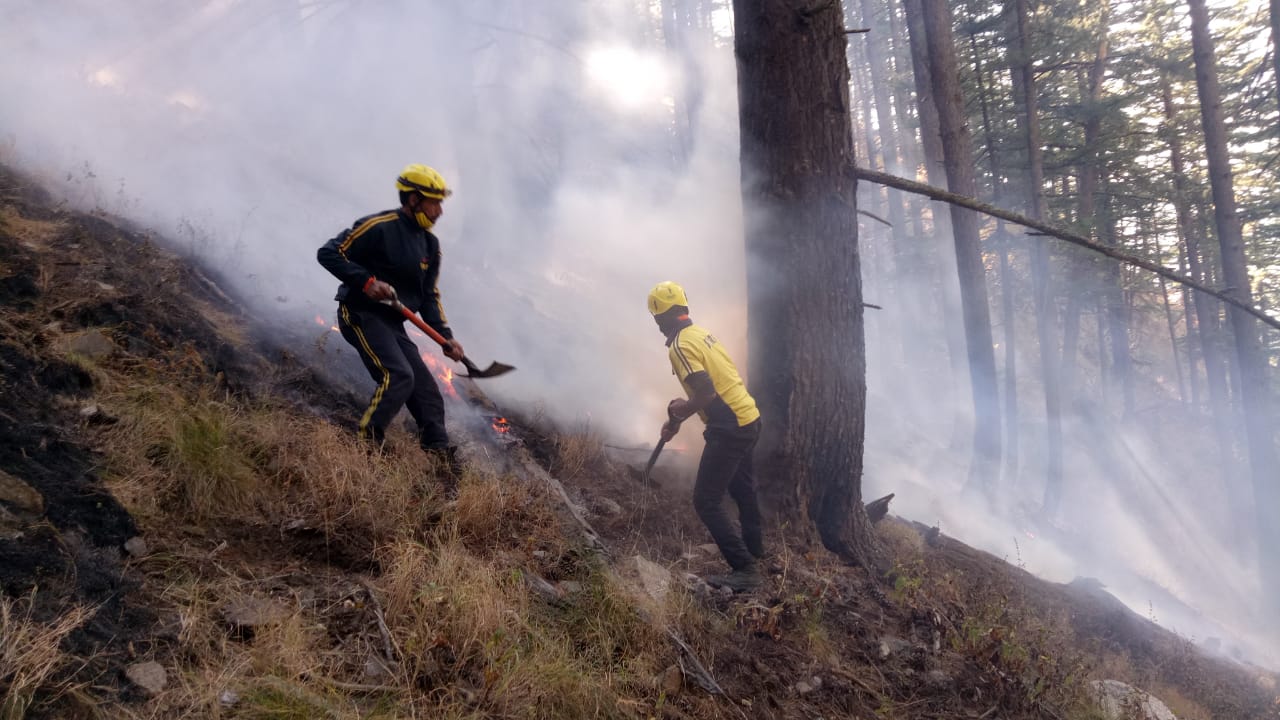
(422, 325)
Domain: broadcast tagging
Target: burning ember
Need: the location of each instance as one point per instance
(321, 321)
(501, 426)
(441, 371)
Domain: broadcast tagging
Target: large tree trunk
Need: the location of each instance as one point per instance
(1004, 247)
(1092, 171)
(902, 312)
(958, 155)
(1028, 102)
(943, 270)
(685, 40)
(1255, 391)
(1203, 307)
(807, 365)
(1275, 43)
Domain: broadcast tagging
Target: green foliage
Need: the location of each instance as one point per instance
(208, 460)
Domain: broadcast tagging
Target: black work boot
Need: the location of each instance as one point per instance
(447, 467)
(743, 579)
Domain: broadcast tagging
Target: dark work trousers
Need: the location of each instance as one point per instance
(395, 364)
(726, 466)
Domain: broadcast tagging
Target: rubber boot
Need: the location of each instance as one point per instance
(741, 580)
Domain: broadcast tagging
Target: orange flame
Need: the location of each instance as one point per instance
(500, 425)
(442, 372)
(320, 321)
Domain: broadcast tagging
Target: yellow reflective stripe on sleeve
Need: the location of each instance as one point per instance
(386, 376)
(440, 306)
(363, 227)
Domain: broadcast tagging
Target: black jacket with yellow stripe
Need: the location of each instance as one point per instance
(391, 247)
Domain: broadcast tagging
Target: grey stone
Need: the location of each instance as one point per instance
(251, 612)
(94, 344)
(136, 546)
(937, 679)
(607, 507)
(227, 698)
(655, 579)
(804, 687)
(93, 413)
(375, 667)
(1121, 701)
(671, 681)
(890, 645)
(150, 676)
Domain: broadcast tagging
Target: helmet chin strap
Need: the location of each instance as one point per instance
(423, 221)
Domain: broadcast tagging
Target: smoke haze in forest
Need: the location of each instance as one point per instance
(253, 132)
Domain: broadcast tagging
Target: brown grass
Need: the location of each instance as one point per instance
(35, 234)
(30, 657)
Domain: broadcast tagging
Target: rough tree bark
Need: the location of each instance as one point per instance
(1215, 377)
(1028, 102)
(1255, 392)
(943, 270)
(904, 310)
(807, 361)
(1004, 247)
(958, 157)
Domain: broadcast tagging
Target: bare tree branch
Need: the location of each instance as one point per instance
(919, 188)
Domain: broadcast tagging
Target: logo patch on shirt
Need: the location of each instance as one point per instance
(423, 264)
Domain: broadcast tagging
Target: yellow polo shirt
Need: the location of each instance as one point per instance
(692, 350)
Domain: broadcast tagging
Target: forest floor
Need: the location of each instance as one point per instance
(188, 529)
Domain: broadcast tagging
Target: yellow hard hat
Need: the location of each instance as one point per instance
(423, 180)
(666, 295)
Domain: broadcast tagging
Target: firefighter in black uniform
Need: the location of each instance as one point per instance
(387, 255)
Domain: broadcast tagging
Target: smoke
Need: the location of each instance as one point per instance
(253, 132)
(250, 133)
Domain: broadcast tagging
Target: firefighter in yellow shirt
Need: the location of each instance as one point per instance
(716, 394)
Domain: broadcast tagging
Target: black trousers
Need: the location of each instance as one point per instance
(395, 364)
(726, 466)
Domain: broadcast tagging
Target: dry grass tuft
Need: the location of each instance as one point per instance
(321, 474)
(578, 454)
(180, 454)
(494, 513)
(35, 234)
(30, 657)
(468, 632)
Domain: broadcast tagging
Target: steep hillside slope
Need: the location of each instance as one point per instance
(187, 529)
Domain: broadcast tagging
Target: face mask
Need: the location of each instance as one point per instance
(423, 221)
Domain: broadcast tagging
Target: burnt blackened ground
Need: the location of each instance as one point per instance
(63, 274)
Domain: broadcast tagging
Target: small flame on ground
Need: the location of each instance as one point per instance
(441, 372)
(320, 321)
(500, 425)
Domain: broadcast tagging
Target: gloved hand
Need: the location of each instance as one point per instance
(678, 410)
(379, 291)
(669, 430)
(453, 350)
